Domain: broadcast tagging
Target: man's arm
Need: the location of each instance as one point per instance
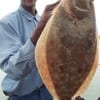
(44, 18)
(16, 59)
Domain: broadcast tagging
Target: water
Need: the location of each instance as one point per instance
(2, 96)
(93, 91)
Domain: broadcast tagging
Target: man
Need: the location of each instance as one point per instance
(19, 33)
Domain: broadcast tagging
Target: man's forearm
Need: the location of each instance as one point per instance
(38, 32)
(44, 19)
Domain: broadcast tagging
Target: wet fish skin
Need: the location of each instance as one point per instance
(66, 53)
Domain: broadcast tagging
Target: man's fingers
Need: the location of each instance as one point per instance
(48, 11)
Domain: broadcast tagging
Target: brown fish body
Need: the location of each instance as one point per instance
(66, 53)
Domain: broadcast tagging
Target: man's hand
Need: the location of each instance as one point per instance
(44, 18)
(48, 11)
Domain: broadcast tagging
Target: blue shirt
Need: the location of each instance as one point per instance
(17, 53)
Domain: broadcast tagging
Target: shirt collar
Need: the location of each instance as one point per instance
(28, 15)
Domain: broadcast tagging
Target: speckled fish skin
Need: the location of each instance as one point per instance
(66, 52)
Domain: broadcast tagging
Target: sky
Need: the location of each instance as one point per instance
(7, 6)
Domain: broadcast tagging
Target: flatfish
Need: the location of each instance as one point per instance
(66, 52)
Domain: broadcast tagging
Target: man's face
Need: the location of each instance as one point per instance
(28, 3)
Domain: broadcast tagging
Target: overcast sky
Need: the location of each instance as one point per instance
(7, 6)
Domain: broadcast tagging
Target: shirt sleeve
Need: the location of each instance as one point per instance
(16, 60)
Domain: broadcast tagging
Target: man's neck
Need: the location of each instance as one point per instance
(31, 10)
